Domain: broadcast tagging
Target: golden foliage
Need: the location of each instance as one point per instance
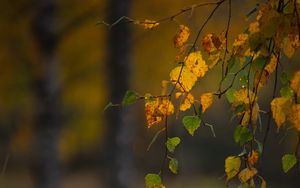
(244, 96)
(211, 42)
(232, 166)
(206, 100)
(295, 83)
(290, 44)
(156, 109)
(240, 40)
(247, 174)
(255, 113)
(260, 78)
(196, 64)
(187, 102)
(280, 107)
(253, 157)
(187, 78)
(254, 27)
(271, 66)
(294, 116)
(181, 36)
(148, 24)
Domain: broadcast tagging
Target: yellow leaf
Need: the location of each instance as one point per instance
(187, 102)
(247, 174)
(207, 43)
(240, 40)
(232, 166)
(214, 59)
(272, 65)
(290, 44)
(178, 94)
(196, 64)
(148, 24)
(243, 96)
(186, 81)
(280, 107)
(295, 83)
(206, 100)
(260, 78)
(156, 109)
(263, 184)
(254, 27)
(252, 157)
(246, 118)
(255, 113)
(181, 36)
(294, 116)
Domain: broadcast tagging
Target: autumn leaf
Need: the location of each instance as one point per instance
(253, 157)
(246, 174)
(280, 107)
(260, 78)
(243, 96)
(232, 166)
(148, 24)
(181, 36)
(240, 43)
(191, 123)
(271, 66)
(290, 44)
(187, 102)
(288, 162)
(156, 109)
(186, 81)
(206, 100)
(254, 27)
(294, 116)
(196, 64)
(207, 43)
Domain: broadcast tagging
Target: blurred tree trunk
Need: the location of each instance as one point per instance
(119, 161)
(47, 121)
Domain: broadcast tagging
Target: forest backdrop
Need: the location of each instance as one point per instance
(57, 76)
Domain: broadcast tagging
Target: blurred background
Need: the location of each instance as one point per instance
(58, 71)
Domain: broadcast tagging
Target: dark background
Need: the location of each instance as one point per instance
(58, 71)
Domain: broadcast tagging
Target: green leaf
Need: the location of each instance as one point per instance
(260, 62)
(173, 165)
(130, 98)
(239, 108)
(152, 180)
(231, 62)
(288, 162)
(230, 95)
(242, 135)
(172, 143)
(285, 77)
(191, 123)
(286, 92)
(259, 146)
(255, 41)
(244, 81)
